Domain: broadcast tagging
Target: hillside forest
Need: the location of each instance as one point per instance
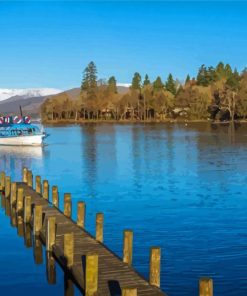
(216, 93)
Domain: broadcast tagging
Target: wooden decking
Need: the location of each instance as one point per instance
(113, 273)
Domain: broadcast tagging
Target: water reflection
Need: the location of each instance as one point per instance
(30, 240)
(50, 268)
(14, 158)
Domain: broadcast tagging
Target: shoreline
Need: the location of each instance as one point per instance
(185, 121)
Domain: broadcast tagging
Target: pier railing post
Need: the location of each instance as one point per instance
(37, 219)
(38, 186)
(27, 209)
(30, 178)
(99, 227)
(45, 189)
(206, 287)
(2, 179)
(69, 248)
(91, 281)
(55, 196)
(50, 233)
(13, 194)
(129, 292)
(24, 175)
(19, 199)
(67, 205)
(81, 210)
(154, 274)
(7, 186)
(128, 247)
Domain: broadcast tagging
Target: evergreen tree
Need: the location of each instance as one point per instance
(112, 84)
(146, 80)
(233, 81)
(89, 81)
(211, 75)
(228, 71)
(220, 70)
(187, 80)
(171, 85)
(136, 81)
(158, 84)
(202, 76)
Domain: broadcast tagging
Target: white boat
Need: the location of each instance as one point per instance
(21, 134)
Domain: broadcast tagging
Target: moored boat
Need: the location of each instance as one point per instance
(18, 131)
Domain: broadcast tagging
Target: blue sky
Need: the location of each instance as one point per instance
(48, 44)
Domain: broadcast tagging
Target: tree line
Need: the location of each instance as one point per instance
(217, 93)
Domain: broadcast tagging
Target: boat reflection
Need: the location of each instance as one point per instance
(21, 151)
(13, 158)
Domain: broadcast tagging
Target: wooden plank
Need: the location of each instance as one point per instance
(111, 268)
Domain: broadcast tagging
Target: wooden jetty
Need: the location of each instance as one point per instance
(95, 269)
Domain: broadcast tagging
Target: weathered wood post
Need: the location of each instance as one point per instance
(7, 186)
(19, 199)
(24, 175)
(67, 205)
(91, 281)
(154, 273)
(129, 291)
(27, 209)
(38, 186)
(2, 179)
(81, 210)
(128, 247)
(55, 196)
(50, 233)
(37, 222)
(30, 178)
(99, 227)
(69, 248)
(13, 194)
(45, 189)
(206, 287)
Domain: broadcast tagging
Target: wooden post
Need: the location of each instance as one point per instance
(27, 209)
(50, 233)
(24, 175)
(67, 205)
(29, 178)
(2, 180)
(7, 186)
(37, 223)
(154, 273)
(13, 194)
(206, 287)
(128, 247)
(38, 186)
(81, 210)
(45, 189)
(99, 227)
(129, 292)
(69, 248)
(55, 196)
(19, 199)
(91, 274)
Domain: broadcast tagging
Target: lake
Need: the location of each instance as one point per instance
(178, 186)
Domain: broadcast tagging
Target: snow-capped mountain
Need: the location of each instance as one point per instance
(6, 93)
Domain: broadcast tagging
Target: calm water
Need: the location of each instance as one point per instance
(183, 188)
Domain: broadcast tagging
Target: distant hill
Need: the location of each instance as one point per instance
(31, 105)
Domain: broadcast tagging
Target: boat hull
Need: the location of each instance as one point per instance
(34, 140)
